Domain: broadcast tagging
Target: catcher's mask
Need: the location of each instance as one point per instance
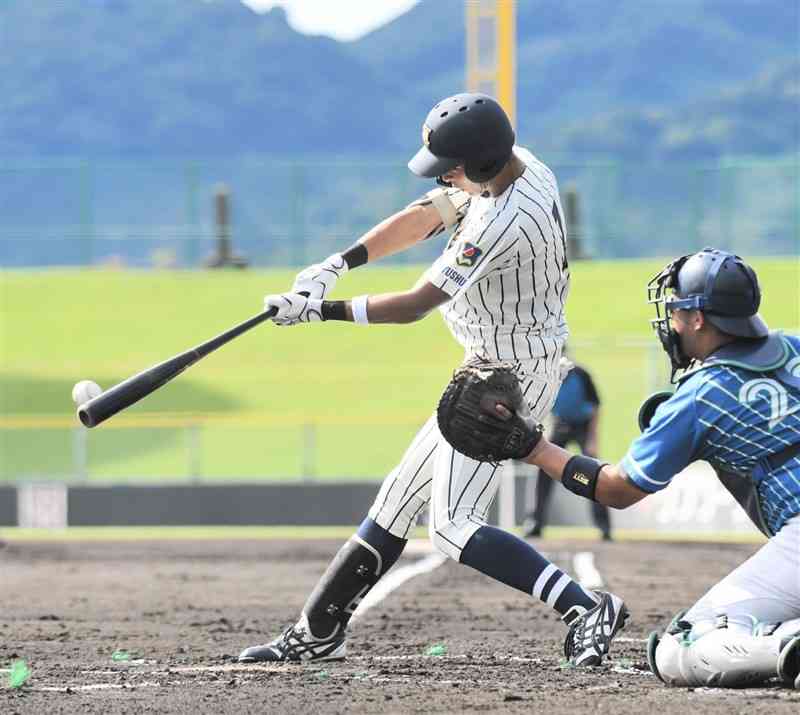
(468, 129)
(718, 283)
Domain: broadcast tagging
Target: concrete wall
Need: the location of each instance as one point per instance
(252, 504)
(8, 506)
(695, 502)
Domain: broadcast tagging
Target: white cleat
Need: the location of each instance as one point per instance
(296, 644)
(592, 630)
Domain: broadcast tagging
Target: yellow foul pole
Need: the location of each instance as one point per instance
(506, 59)
(491, 50)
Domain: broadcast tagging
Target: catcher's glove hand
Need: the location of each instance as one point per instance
(471, 422)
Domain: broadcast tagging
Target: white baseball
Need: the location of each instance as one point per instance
(84, 391)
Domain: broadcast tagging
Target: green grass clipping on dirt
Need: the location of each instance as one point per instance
(325, 401)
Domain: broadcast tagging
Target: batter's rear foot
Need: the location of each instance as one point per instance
(591, 631)
(296, 644)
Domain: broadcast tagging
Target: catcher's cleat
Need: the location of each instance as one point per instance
(296, 644)
(591, 631)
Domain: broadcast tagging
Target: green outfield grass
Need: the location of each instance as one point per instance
(328, 401)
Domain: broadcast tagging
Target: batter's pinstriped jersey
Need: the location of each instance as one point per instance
(732, 418)
(506, 270)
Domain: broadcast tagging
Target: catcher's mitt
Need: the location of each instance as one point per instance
(468, 418)
(648, 409)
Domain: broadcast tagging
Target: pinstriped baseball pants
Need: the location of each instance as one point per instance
(460, 490)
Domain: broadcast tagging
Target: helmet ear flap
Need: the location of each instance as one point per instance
(482, 170)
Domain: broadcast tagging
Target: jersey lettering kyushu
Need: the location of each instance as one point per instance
(507, 272)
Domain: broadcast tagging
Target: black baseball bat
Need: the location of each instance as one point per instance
(126, 393)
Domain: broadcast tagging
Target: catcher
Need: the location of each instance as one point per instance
(737, 406)
(500, 284)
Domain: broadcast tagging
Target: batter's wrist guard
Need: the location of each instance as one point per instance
(580, 475)
(355, 256)
(333, 310)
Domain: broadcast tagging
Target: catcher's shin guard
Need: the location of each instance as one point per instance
(788, 633)
(353, 572)
(789, 663)
(702, 654)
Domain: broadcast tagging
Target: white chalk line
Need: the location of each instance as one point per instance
(318, 670)
(395, 579)
(583, 564)
(418, 546)
(777, 691)
(358, 660)
(380, 591)
(351, 669)
(93, 686)
(585, 570)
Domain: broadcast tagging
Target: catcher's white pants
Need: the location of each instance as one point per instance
(459, 489)
(765, 589)
(766, 586)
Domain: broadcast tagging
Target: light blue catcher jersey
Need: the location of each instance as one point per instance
(732, 418)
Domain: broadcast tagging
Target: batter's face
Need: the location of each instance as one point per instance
(457, 178)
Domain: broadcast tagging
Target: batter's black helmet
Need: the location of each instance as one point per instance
(470, 129)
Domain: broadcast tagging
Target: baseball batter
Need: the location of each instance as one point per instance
(501, 284)
(739, 410)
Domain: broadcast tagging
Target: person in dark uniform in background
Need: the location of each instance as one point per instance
(576, 414)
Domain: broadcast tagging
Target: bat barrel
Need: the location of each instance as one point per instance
(130, 391)
(126, 393)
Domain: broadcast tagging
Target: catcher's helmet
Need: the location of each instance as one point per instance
(470, 129)
(718, 283)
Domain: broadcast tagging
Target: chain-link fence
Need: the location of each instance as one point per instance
(160, 213)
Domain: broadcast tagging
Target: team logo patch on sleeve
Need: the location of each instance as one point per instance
(468, 254)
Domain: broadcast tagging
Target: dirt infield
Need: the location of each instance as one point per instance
(183, 610)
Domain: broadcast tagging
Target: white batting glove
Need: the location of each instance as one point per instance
(293, 308)
(319, 279)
